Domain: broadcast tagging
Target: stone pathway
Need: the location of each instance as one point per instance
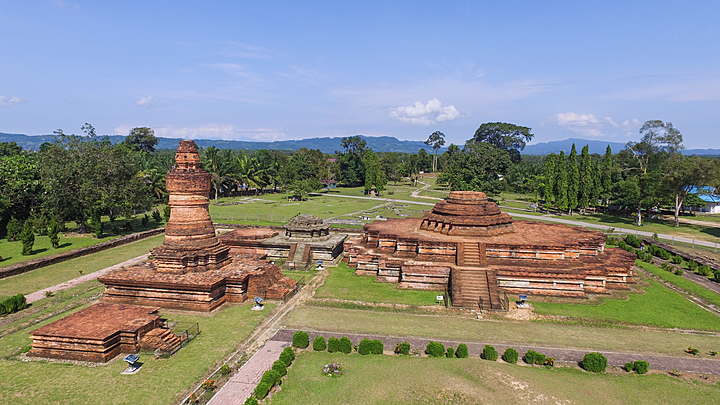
(40, 294)
(657, 362)
(552, 219)
(242, 384)
(416, 193)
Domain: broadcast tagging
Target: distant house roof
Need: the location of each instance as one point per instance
(705, 193)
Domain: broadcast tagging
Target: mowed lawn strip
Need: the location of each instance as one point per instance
(450, 327)
(11, 251)
(683, 283)
(656, 306)
(374, 379)
(53, 274)
(343, 283)
(161, 381)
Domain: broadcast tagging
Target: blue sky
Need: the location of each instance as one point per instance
(269, 70)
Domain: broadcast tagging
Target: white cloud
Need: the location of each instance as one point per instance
(431, 112)
(6, 101)
(144, 101)
(213, 131)
(593, 126)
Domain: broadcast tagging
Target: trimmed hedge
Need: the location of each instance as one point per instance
(510, 355)
(262, 390)
(450, 353)
(462, 351)
(435, 349)
(319, 344)
(287, 356)
(280, 367)
(402, 348)
(639, 366)
(13, 304)
(594, 362)
(333, 345)
(251, 401)
(345, 345)
(489, 353)
(300, 340)
(533, 357)
(633, 240)
(271, 377)
(370, 346)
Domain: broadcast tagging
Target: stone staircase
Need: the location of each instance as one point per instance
(300, 256)
(475, 288)
(162, 339)
(471, 254)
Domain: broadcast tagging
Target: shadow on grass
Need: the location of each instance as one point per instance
(63, 245)
(36, 251)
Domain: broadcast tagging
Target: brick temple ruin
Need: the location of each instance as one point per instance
(192, 270)
(470, 248)
(305, 239)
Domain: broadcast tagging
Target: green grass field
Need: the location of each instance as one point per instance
(554, 334)
(683, 283)
(57, 273)
(161, 381)
(343, 283)
(656, 306)
(398, 380)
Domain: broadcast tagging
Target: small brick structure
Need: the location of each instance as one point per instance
(466, 245)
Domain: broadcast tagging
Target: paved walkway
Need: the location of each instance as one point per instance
(657, 362)
(552, 219)
(242, 384)
(40, 294)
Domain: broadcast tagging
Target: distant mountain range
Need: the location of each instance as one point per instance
(331, 145)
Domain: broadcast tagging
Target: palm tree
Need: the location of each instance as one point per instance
(218, 164)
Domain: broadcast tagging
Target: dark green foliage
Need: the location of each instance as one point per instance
(510, 355)
(28, 239)
(641, 366)
(262, 390)
(166, 213)
(271, 377)
(280, 367)
(333, 345)
(629, 366)
(225, 370)
(300, 340)
(370, 346)
(54, 233)
(509, 137)
(533, 357)
(145, 220)
(345, 345)
(594, 362)
(127, 226)
(625, 246)
(489, 353)
(659, 252)
(678, 272)
(676, 259)
(319, 344)
(478, 167)
(462, 351)
(287, 356)
(14, 229)
(251, 401)
(156, 216)
(633, 240)
(12, 304)
(435, 349)
(450, 352)
(402, 348)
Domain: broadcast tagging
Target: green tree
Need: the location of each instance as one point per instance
(436, 140)
(509, 137)
(54, 233)
(550, 178)
(219, 164)
(681, 174)
(9, 149)
(562, 183)
(573, 179)
(586, 191)
(351, 162)
(28, 239)
(142, 138)
(478, 167)
(607, 173)
(374, 176)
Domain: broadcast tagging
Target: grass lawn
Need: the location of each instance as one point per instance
(412, 380)
(681, 282)
(57, 273)
(161, 381)
(512, 332)
(300, 275)
(343, 283)
(657, 306)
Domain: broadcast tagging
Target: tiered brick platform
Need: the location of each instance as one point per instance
(465, 244)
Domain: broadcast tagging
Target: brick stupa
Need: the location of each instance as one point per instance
(469, 247)
(193, 269)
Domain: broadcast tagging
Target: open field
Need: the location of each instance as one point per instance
(656, 306)
(57, 273)
(161, 381)
(413, 380)
(553, 334)
(342, 283)
(679, 281)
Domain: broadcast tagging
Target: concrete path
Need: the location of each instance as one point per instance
(242, 384)
(416, 193)
(40, 294)
(657, 362)
(552, 219)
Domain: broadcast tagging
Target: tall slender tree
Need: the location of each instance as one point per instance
(586, 191)
(550, 177)
(561, 184)
(606, 176)
(436, 140)
(573, 175)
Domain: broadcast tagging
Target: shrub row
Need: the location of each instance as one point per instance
(273, 376)
(12, 304)
(370, 346)
(639, 366)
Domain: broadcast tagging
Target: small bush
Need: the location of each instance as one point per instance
(629, 366)
(300, 339)
(676, 259)
(225, 370)
(678, 272)
(533, 357)
(280, 367)
(633, 240)
(365, 346)
(54, 233)
(271, 377)
(450, 352)
(287, 356)
(462, 351)
(251, 401)
(641, 366)
(28, 239)
(435, 349)
(489, 353)
(692, 350)
(262, 390)
(625, 246)
(333, 345)
(345, 345)
(510, 355)
(12, 304)
(402, 348)
(549, 362)
(594, 362)
(145, 220)
(156, 216)
(319, 344)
